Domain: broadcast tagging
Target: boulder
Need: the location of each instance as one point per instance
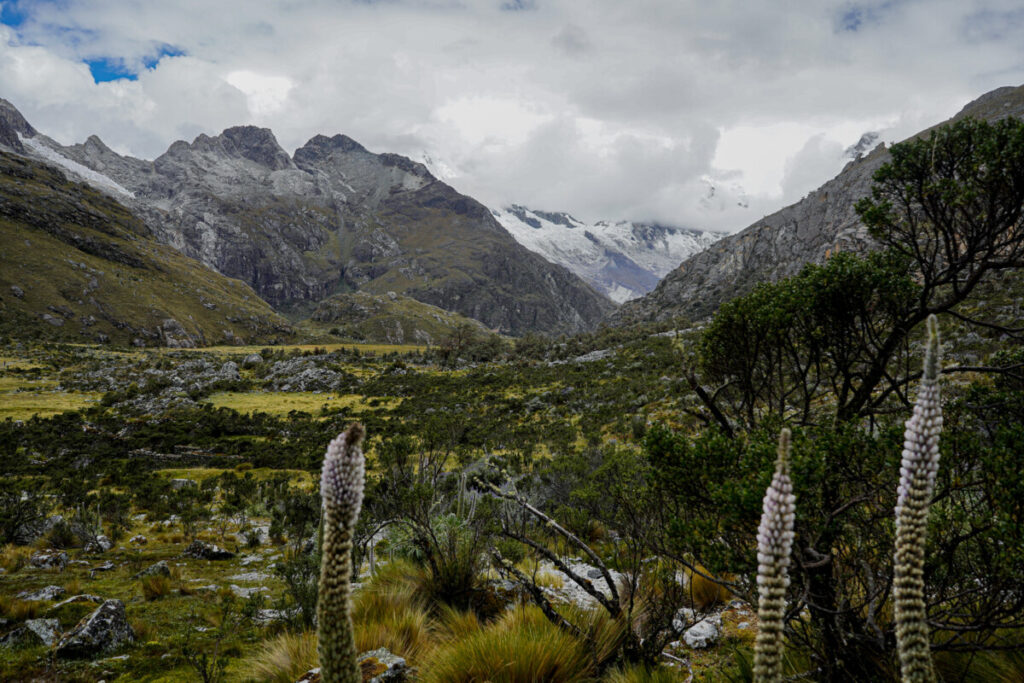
(48, 593)
(100, 544)
(383, 667)
(49, 559)
(378, 666)
(33, 632)
(178, 484)
(105, 630)
(704, 633)
(251, 360)
(138, 540)
(201, 550)
(158, 569)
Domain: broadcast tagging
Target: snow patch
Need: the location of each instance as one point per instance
(97, 180)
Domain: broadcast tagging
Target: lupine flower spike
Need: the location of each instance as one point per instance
(341, 488)
(774, 545)
(917, 484)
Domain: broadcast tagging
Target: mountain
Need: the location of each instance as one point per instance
(779, 245)
(78, 266)
(332, 218)
(622, 259)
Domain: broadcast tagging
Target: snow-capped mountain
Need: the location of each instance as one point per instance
(623, 259)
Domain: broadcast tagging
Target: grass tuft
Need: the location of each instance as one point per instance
(282, 659)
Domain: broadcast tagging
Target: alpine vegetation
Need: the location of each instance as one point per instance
(774, 545)
(341, 489)
(917, 482)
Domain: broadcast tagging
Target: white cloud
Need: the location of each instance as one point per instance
(598, 107)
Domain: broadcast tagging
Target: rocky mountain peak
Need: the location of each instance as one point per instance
(320, 147)
(11, 124)
(255, 144)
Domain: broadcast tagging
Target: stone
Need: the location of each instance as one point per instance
(251, 360)
(49, 559)
(383, 667)
(84, 597)
(246, 593)
(158, 569)
(138, 540)
(105, 630)
(378, 666)
(201, 550)
(683, 618)
(105, 567)
(33, 632)
(100, 544)
(178, 484)
(17, 291)
(704, 633)
(48, 593)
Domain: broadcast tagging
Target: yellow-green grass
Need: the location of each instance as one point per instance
(283, 402)
(299, 478)
(16, 363)
(379, 349)
(22, 405)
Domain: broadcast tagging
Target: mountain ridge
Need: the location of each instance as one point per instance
(335, 218)
(780, 244)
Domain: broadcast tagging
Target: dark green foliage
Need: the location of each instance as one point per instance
(20, 510)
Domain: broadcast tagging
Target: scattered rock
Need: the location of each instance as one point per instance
(179, 484)
(48, 593)
(84, 597)
(253, 577)
(251, 360)
(743, 626)
(33, 632)
(104, 630)
(378, 666)
(100, 544)
(138, 540)
(49, 559)
(704, 633)
(201, 550)
(105, 567)
(158, 569)
(246, 593)
(683, 618)
(18, 291)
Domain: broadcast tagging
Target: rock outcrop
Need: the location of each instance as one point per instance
(335, 217)
(104, 630)
(779, 245)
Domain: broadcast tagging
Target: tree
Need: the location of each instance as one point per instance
(945, 211)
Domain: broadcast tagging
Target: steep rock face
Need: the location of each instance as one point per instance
(623, 259)
(779, 245)
(338, 218)
(13, 125)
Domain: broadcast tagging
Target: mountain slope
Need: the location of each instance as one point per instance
(77, 266)
(779, 245)
(335, 218)
(622, 259)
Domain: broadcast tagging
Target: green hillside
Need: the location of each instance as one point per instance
(77, 266)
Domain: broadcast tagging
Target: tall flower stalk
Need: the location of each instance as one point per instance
(774, 546)
(341, 488)
(918, 469)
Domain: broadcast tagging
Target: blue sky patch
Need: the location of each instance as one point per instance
(116, 68)
(11, 14)
(110, 69)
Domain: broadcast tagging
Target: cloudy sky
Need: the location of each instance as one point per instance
(603, 108)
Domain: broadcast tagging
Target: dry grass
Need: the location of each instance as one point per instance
(704, 594)
(640, 674)
(19, 610)
(14, 557)
(155, 587)
(282, 659)
(522, 645)
(391, 612)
